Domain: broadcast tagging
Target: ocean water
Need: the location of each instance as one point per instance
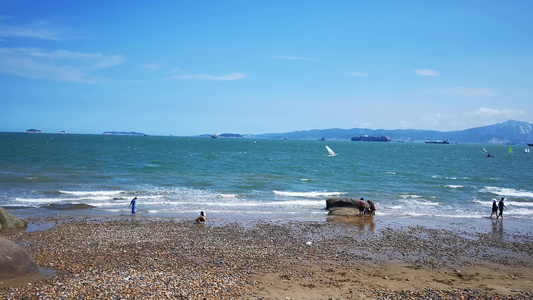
(257, 179)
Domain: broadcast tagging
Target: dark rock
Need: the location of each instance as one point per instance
(341, 202)
(68, 206)
(8, 221)
(14, 261)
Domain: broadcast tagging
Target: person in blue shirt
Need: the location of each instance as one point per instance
(133, 205)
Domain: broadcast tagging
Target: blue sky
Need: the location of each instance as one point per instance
(250, 67)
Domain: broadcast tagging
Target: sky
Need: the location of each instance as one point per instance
(263, 66)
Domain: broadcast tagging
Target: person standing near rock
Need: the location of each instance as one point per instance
(133, 205)
(500, 207)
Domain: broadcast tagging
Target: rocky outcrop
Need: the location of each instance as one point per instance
(8, 221)
(342, 202)
(14, 261)
(343, 206)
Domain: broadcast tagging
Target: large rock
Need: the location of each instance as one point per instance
(8, 221)
(343, 206)
(14, 261)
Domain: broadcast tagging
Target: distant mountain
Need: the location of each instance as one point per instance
(510, 132)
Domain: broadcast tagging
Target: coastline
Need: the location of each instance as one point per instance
(334, 258)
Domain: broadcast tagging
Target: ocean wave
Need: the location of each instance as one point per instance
(508, 192)
(453, 186)
(314, 194)
(92, 193)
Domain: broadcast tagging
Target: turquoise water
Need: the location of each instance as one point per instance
(258, 179)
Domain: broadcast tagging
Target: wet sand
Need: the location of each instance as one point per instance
(338, 258)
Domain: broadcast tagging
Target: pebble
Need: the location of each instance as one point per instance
(178, 260)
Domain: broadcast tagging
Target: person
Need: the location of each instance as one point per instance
(500, 207)
(362, 205)
(133, 205)
(201, 218)
(494, 208)
(372, 208)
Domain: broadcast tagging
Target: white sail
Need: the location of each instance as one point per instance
(484, 150)
(331, 153)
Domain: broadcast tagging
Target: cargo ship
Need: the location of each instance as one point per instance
(366, 138)
(438, 142)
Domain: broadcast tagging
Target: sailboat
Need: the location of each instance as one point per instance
(510, 150)
(331, 153)
(526, 151)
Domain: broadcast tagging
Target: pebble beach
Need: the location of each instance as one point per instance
(99, 258)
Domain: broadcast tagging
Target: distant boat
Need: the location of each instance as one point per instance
(331, 153)
(438, 142)
(530, 144)
(526, 151)
(510, 150)
(485, 150)
(322, 139)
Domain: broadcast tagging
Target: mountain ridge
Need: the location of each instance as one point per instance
(508, 132)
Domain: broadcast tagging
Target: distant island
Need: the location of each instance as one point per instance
(507, 133)
(33, 131)
(124, 133)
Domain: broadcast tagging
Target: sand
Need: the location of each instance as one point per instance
(333, 259)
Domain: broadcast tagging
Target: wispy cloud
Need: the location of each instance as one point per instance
(461, 120)
(29, 32)
(153, 66)
(427, 72)
(233, 76)
(60, 65)
(295, 58)
(491, 113)
(356, 74)
(466, 92)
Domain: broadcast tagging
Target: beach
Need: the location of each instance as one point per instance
(339, 258)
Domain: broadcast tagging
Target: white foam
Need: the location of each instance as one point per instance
(314, 194)
(508, 192)
(453, 186)
(92, 193)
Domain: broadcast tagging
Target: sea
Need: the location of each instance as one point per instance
(257, 179)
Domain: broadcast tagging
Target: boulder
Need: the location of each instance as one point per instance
(343, 206)
(341, 202)
(14, 261)
(8, 221)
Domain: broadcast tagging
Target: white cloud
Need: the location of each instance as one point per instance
(492, 113)
(356, 74)
(427, 72)
(153, 66)
(466, 92)
(233, 76)
(295, 58)
(60, 65)
(38, 33)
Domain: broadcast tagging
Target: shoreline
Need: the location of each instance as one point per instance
(338, 258)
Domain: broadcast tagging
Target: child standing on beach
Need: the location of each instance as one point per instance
(133, 205)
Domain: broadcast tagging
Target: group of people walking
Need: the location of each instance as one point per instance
(498, 207)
